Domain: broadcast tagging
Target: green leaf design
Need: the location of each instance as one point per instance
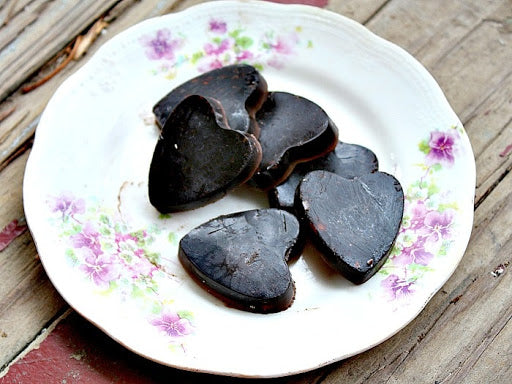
(433, 189)
(244, 42)
(436, 167)
(195, 58)
(395, 251)
(418, 268)
(424, 147)
(104, 231)
(173, 238)
(452, 205)
(156, 307)
(104, 219)
(137, 292)
(71, 255)
(153, 257)
(235, 33)
(186, 315)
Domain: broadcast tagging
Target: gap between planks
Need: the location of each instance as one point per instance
(37, 340)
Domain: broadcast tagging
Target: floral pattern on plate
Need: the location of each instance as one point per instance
(225, 45)
(119, 261)
(115, 259)
(429, 218)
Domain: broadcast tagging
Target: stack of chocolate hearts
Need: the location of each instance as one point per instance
(224, 128)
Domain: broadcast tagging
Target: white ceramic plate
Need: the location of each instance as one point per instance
(114, 258)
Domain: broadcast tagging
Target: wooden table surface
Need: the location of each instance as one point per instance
(464, 335)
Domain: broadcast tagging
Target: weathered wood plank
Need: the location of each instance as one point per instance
(489, 120)
(9, 9)
(494, 162)
(485, 369)
(28, 300)
(44, 36)
(474, 69)
(463, 44)
(358, 10)
(16, 16)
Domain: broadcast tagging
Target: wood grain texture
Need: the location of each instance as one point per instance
(28, 300)
(359, 10)
(44, 34)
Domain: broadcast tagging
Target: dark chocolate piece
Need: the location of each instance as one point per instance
(242, 258)
(292, 130)
(347, 160)
(197, 158)
(353, 223)
(240, 89)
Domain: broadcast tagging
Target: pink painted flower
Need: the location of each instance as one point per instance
(172, 324)
(68, 205)
(244, 55)
(437, 225)
(88, 238)
(415, 253)
(208, 66)
(217, 49)
(442, 147)
(218, 26)
(162, 46)
(418, 211)
(141, 266)
(282, 46)
(123, 238)
(101, 269)
(274, 62)
(396, 287)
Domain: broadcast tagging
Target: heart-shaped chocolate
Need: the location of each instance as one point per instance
(240, 89)
(347, 160)
(197, 158)
(293, 129)
(353, 222)
(242, 258)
